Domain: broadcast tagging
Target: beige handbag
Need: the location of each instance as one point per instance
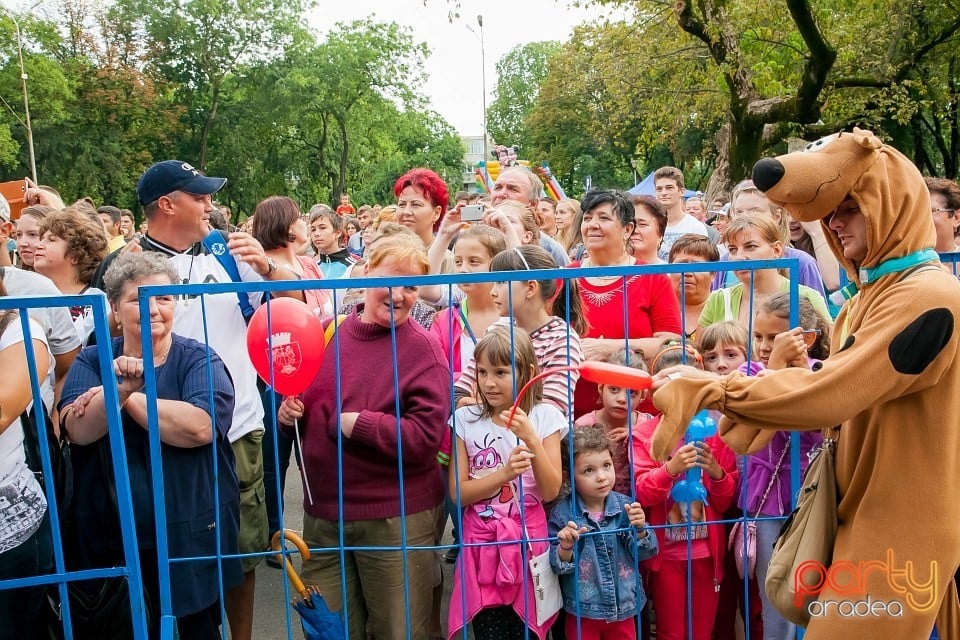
(807, 536)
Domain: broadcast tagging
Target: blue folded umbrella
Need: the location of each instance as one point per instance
(318, 622)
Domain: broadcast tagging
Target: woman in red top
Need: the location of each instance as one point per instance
(643, 308)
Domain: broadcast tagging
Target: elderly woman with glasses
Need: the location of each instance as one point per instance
(195, 399)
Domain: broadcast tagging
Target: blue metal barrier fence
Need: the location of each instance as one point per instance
(131, 570)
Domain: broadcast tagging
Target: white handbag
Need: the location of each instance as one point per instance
(546, 587)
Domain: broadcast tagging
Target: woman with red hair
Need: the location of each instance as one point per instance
(422, 200)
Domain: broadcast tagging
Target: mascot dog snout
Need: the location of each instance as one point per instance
(767, 173)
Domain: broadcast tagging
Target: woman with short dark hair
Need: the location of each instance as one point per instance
(279, 227)
(643, 309)
(650, 226)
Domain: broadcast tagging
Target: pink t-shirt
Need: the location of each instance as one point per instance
(317, 299)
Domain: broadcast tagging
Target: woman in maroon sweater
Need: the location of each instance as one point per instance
(361, 419)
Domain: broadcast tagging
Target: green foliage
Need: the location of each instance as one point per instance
(277, 109)
(519, 75)
(716, 83)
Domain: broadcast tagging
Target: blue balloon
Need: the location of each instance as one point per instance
(691, 488)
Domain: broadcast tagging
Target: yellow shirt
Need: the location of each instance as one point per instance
(115, 243)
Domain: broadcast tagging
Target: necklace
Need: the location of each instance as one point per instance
(158, 359)
(162, 358)
(627, 260)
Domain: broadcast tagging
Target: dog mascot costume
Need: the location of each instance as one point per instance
(892, 383)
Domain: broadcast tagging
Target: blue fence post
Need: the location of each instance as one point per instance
(61, 577)
(128, 525)
(168, 623)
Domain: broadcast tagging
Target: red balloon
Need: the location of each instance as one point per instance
(292, 351)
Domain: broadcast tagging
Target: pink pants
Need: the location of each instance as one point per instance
(599, 629)
(669, 591)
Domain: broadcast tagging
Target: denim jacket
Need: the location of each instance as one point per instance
(610, 588)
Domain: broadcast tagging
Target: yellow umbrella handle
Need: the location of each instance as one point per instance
(301, 546)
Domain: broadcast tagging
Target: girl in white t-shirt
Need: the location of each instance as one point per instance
(500, 464)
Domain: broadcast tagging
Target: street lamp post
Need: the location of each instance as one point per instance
(26, 98)
(483, 80)
(483, 84)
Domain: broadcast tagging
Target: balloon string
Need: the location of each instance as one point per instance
(303, 462)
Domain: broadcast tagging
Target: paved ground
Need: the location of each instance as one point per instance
(270, 621)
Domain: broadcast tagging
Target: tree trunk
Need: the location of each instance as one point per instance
(951, 163)
(920, 156)
(719, 184)
(341, 186)
(739, 146)
(208, 126)
(746, 147)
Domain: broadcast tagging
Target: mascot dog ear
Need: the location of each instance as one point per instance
(821, 177)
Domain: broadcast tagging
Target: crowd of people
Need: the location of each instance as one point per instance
(410, 426)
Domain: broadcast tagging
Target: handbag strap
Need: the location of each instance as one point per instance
(773, 478)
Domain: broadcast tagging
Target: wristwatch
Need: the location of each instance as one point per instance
(271, 267)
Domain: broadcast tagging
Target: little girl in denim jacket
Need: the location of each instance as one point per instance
(601, 533)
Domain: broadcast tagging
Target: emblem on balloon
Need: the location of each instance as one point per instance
(286, 342)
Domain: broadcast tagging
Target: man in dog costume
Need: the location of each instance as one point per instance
(892, 383)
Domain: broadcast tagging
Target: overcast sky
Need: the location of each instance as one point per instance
(454, 85)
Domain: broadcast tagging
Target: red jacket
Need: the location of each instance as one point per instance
(653, 485)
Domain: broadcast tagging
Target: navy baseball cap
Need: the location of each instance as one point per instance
(173, 175)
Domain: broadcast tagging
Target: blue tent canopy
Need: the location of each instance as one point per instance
(645, 188)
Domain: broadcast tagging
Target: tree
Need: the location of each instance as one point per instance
(310, 119)
(520, 72)
(48, 86)
(333, 87)
(717, 83)
(341, 113)
(936, 127)
(199, 43)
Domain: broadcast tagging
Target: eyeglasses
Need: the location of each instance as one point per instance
(949, 212)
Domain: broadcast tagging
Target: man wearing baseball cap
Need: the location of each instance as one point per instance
(176, 200)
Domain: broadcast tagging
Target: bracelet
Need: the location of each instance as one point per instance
(272, 267)
(563, 548)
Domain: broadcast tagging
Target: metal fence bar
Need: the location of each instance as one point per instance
(131, 570)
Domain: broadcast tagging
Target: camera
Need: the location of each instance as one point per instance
(471, 212)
